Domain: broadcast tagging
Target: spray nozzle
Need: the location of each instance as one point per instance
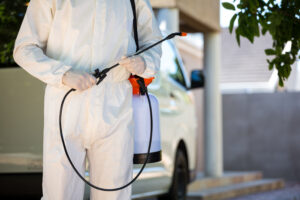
(183, 34)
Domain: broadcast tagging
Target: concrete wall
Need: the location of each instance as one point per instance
(195, 15)
(262, 132)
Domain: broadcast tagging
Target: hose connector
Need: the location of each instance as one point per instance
(100, 75)
(143, 88)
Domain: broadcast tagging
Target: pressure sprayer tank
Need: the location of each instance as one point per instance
(142, 126)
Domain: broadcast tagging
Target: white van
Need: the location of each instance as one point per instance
(21, 125)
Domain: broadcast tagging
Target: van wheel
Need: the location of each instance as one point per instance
(178, 188)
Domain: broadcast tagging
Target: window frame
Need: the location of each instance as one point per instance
(181, 67)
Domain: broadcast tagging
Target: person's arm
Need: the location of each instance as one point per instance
(29, 50)
(149, 33)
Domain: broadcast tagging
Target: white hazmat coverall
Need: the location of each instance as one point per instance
(57, 35)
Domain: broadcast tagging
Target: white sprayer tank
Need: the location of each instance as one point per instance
(142, 127)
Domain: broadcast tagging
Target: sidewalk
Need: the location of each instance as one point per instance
(290, 192)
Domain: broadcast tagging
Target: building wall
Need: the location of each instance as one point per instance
(195, 15)
(262, 132)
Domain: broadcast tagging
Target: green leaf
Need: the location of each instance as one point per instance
(264, 30)
(238, 37)
(240, 6)
(256, 28)
(271, 66)
(251, 38)
(270, 52)
(281, 81)
(232, 22)
(252, 6)
(228, 6)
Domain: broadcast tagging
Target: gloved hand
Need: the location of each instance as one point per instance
(78, 80)
(135, 64)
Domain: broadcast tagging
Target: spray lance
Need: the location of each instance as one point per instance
(139, 85)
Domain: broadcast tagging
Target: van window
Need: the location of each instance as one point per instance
(170, 63)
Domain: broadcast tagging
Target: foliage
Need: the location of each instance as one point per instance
(11, 16)
(280, 18)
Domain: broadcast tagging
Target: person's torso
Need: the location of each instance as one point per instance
(90, 34)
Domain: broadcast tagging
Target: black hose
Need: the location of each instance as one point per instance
(80, 176)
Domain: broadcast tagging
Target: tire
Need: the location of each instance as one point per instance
(180, 179)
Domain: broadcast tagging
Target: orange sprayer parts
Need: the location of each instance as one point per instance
(136, 86)
(183, 34)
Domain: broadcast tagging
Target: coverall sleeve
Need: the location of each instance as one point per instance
(31, 42)
(149, 33)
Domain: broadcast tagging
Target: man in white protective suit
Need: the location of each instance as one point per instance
(62, 42)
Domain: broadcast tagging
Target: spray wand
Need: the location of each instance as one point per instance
(102, 74)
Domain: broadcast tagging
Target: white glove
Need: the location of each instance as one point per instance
(78, 80)
(135, 64)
